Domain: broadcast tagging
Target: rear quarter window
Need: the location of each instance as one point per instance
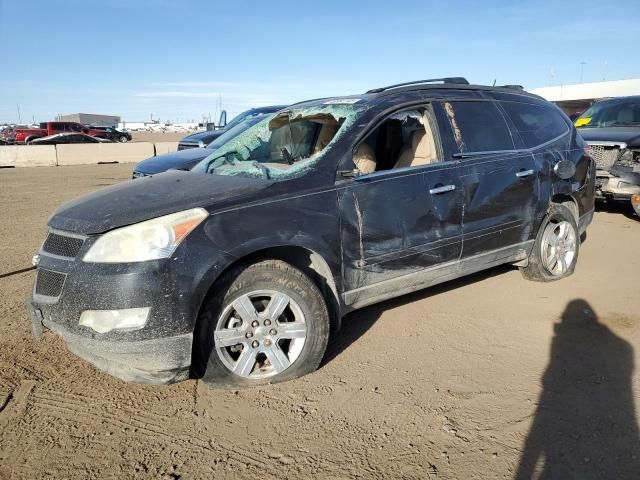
(478, 126)
(536, 124)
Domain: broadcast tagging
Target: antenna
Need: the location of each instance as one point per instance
(494, 81)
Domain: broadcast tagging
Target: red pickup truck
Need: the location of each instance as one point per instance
(26, 135)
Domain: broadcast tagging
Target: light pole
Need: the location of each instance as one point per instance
(582, 64)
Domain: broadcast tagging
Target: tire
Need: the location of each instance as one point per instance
(546, 264)
(123, 139)
(266, 333)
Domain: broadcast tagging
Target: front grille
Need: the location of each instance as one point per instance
(49, 284)
(62, 245)
(604, 156)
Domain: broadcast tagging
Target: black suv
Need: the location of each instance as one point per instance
(612, 129)
(237, 270)
(114, 134)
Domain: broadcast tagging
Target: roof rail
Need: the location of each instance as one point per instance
(454, 80)
(512, 87)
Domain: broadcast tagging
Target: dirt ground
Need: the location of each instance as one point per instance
(159, 136)
(486, 377)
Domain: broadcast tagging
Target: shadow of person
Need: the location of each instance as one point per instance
(585, 425)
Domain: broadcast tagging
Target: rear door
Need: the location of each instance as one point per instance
(499, 177)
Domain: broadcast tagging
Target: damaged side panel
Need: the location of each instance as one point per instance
(393, 226)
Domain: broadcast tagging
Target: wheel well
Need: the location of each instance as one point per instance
(309, 262)
(568, 202)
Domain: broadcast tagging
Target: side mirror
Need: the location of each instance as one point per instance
(222, 122)
(85, 130)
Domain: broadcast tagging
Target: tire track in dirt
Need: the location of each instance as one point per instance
(153, 426)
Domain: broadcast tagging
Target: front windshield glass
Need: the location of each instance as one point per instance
(284, 144)
(234, 130)
(610, 114)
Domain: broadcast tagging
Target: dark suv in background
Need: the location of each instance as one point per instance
(202, 139)
(114, 134)
(612, 129)
(236, 270)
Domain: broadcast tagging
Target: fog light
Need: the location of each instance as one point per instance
(103, 321)
(635, 201)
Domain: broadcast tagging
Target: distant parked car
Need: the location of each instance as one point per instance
(59, 138)
(202, 139)
(186, 159)
(612, 129)
(27, 135)
(114, 134)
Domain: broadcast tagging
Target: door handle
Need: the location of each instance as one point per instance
(524, 173)
(443, 189)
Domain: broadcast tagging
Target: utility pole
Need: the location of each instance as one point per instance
(582, 64)
(19, 116)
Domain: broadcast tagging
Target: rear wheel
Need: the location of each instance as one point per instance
(265, 323)
(556, 248)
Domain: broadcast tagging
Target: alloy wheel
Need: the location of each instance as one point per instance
(260, 334)
(559, 243)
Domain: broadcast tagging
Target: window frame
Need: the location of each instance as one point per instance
(456, 154)
(517, 131)
(382, 117)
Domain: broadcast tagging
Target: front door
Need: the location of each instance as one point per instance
(399, 225)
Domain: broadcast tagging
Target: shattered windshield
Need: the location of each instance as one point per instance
(610, 114)
(284, 144)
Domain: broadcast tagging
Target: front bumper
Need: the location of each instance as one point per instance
(155, 361)
(172, 289)
(613, 188)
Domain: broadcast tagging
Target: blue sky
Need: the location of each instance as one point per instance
(175, 59)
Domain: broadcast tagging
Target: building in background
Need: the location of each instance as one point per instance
(90, 119)
(575, 99)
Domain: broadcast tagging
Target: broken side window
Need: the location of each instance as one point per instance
(478, 126)
(404, 139)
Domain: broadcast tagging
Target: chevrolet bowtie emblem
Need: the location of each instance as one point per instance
(35, 261)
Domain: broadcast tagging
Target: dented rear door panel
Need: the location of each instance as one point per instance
(501, 201)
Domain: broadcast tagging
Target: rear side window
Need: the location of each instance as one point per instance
(536, 124)
(478, 126)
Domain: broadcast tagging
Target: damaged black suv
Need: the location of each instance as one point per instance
(237, 271)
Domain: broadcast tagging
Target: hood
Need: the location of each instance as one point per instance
(137, 200)
(628, 135)
(181, 160)
(206, 137)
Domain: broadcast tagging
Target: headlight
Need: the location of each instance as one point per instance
(149, 240)
(628, 185)
(626, 157)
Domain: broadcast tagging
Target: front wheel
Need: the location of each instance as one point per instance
(123, 139)
(267, 323)
(556, 248)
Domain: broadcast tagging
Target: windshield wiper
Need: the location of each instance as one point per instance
(625, 124)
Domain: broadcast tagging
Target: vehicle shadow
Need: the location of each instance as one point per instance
(585, 425)
(623, 208)
(357, 323)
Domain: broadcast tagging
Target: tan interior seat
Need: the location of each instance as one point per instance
(365, 158)
(422, 150)
(327, 131)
